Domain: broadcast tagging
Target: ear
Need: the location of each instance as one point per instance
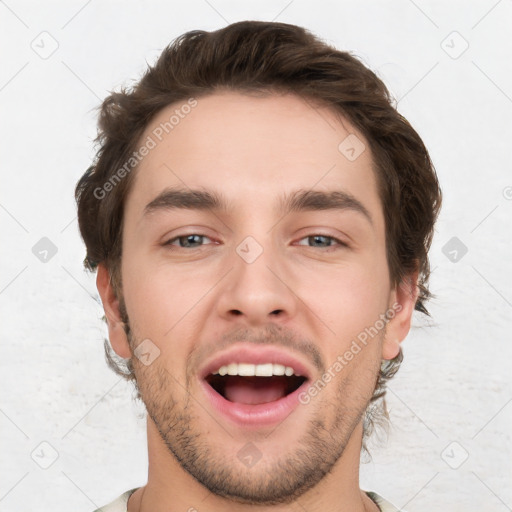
(401, 307)
(116, 333)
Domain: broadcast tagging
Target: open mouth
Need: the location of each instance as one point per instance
(250, 384)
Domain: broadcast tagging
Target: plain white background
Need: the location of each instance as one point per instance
(449, 67)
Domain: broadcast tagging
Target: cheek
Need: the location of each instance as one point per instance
(350, 301)
(163, 304)
(156, 295)
(347, 295)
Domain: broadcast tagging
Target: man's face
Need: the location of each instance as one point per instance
(254, 282)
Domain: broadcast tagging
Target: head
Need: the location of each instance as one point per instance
(258, 130)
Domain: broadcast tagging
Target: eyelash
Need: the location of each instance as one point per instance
(336, 240)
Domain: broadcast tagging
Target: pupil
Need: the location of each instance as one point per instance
(320, 239)
(191, 239)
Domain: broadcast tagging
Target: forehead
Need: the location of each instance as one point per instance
(253, 150)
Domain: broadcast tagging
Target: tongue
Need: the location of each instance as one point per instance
(254, 390)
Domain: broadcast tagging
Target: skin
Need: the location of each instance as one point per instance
(190, 300)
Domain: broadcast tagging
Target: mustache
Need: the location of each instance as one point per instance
(271, 334)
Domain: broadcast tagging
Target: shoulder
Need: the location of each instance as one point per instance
(384, 505)
(119, 504)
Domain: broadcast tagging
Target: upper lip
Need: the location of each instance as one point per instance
(254, 355)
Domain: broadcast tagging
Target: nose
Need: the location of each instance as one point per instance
(258, 289)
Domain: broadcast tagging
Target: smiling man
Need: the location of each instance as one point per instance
(259, 216)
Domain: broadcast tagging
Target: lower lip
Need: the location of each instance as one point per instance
(259, 415)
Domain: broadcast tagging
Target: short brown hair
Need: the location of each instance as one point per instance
(268, 57)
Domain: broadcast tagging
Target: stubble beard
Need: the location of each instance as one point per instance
(277, 480)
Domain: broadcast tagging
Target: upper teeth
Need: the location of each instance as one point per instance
(258, 370)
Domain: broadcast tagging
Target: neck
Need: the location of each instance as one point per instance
(170, 488)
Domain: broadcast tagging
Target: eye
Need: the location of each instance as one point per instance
(188, 241)
(195, 240)
(321, 241)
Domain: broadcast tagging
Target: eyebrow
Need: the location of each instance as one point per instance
(300, 200)
(178, 198)
(316, 200)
